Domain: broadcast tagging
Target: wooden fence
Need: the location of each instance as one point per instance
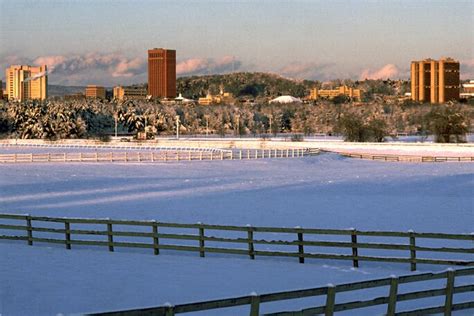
(406, 158)
(159, 156)
(330, 291)
(295, 241)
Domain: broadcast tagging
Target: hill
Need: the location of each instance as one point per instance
(59, 91)
(254, 84)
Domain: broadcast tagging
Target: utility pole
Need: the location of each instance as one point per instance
(115, 119)
(177, 126)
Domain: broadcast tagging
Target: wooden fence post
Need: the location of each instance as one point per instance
(355, 261)
(231, 155)
(254, 304)
(200, 155)
(330, 300)
(248, 153)
(240, 154)
(392, 298)
(222, 155)
(250, 242)
(110, 237)
(96, 156)
(449, 292)
(201, 240)
(412, 250)
(152, 157)
(156, 241)
(165, 158)
(169, 310)
(67, 232)
(300, 247)
(29, 229)
(212, 155)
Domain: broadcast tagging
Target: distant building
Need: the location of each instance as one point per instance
(285, 99)
(95, 92)
(352, 93)
(162, 73)
(435, 81)
(222, 97)
(467, 90)
(26, 82)
(124, 93)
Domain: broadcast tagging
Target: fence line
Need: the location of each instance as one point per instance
(330, 307)
(159, 156)
(299, 238)
(120, 147)
(404, 158)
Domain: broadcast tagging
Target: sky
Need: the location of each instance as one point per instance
(105, 42)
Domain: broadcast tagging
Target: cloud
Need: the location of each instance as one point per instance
(387, 71)
(467, 69)
(311, 71)
(200, 66)
(97, 68)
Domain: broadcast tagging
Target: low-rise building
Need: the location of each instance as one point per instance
(467, 90)
(352, 93)
(95, 92)
(124, 93)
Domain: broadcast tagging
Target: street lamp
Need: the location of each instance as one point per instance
(177, 126)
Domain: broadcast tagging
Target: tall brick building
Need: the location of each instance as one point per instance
(435, 81)
(162, 73)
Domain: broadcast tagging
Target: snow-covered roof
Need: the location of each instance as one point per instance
(286, 99)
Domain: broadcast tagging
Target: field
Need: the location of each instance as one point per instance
(326, 191)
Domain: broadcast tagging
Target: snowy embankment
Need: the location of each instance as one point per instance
(326, 191)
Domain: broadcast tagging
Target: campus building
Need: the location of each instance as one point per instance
(125, 93)
(95, 92)
(26, 82)
(352, 93)
(468, 90)
(435, 81)
(162, 73)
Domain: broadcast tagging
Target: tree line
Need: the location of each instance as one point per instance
(372, 121)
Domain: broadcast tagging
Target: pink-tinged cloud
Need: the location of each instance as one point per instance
(467, 69)
(199, 66)
(386, 72)
(311, 71)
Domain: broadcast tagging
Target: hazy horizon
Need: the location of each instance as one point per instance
(105, 42)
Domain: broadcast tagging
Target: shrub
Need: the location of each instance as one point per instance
(354, 129)
(448, 124)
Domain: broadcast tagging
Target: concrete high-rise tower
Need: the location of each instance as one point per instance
(26, 82)
(435, 81)
(162, 73)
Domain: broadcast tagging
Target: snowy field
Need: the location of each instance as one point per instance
(325, 191)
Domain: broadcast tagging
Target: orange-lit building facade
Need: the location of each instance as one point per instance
(127, 93)
(26, 82)
(95, 92)
(352, 93)
(435, 81)
(162, 73)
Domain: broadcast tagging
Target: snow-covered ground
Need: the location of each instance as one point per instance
(325, 191)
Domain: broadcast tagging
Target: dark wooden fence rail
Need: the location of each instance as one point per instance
(302, 239)
(158, 156)
(405, 158)
(330, 291)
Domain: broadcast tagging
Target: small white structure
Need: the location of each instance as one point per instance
(181, 99)
(286, 99)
